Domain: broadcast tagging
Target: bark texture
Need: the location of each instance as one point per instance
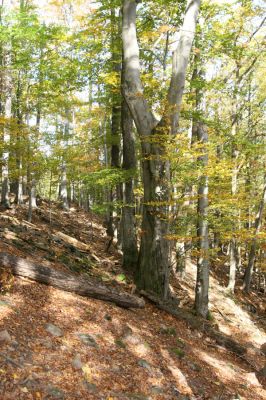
(252, 253)
(68, 282)
(202, 281)
(128, 222)
(152, 272)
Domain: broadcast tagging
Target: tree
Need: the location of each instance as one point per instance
(152, 273)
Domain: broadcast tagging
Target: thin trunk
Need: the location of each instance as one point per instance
(202, 280)
(128, 222)
(64, 181)
(63, 186)
(115, 192)
(19, 178)
(7, 114)
(252, 253)
(235, 170)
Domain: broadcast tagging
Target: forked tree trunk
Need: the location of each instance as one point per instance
(152, 273)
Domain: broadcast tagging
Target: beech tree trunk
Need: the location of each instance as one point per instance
(128, 222)
(152, 274)
(115, 194)
(252, 253)
(7, 114)
(202, 281)
(68, 282)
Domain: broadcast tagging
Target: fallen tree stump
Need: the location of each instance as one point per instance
(66, 281)
(197, 323)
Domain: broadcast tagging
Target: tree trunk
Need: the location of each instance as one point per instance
(63, 186)
(152, 273)
(202, 282)
(115, 194)
(233, 265)
(128, 223)
(32, 199)
(252, 253)
(7, 114)
(68, 282)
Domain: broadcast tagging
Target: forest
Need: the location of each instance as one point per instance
(133, 196)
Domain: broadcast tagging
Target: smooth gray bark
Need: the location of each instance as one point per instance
(128, 222)
(115, 194)
(202, 282)
(152, 274)
(7, 114)
(63, 186)
(252, 253)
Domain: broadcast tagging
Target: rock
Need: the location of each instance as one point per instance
(77, 363)
(262, 372)
(166, 330)
(55, 393)
(90, 387)
(47, 343)
(144, 364)
(252, 351)
(5, 337)
(4, 303)
(156, 390)
(263, 348)
(53, 330)
(87, 339)
(137, 396)
(193, 366)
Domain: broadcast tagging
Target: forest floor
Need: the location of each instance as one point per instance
(57, 345)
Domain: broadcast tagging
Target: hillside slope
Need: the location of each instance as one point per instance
(57, 345)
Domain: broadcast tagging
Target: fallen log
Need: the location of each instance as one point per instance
(66, 281)
(197, 323)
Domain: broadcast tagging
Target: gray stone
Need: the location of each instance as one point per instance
(262, 372)
(144, 364)
(53, 330)
(4, 303)
(55, 392)
(195, 367)
(87, 339)
(5, 337)
(77, 363)
(156, 390)
(90, 387)
(263, 348)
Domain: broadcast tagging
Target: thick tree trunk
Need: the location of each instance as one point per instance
(68, 282)
(154, 262)
(252, 253)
